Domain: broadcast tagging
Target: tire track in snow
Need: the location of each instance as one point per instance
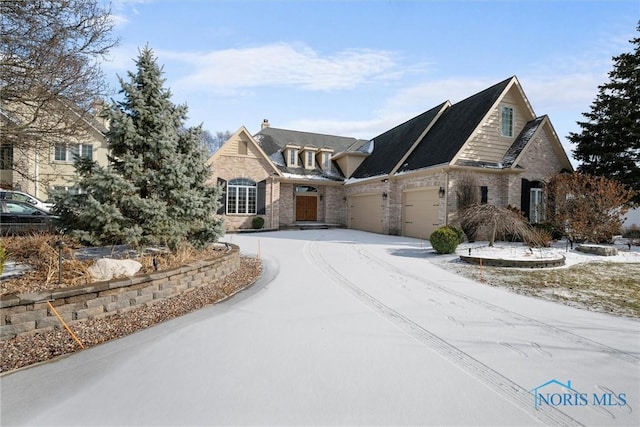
(511, 391)
(566, 335)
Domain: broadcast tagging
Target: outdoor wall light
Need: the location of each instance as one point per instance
(384, 195)
(441, 192)
(321, 197)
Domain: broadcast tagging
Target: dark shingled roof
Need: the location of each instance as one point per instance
(273, 140)
(389, 147)
(521, 141)
(453, 129)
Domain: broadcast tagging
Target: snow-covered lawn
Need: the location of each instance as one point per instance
(608, 284)
(349, 328)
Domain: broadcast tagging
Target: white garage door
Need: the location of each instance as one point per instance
(420, 212)
(365, 213)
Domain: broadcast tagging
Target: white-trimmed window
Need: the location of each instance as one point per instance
(326, 160)
(242, 196)
(309, 156)
(506, 121)
(293, 157)
(69, 152)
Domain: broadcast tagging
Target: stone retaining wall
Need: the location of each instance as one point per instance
(533, 263)
(29, 313)
(598, 250)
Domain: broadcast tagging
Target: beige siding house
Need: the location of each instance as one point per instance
(52, 167)
(400, 182)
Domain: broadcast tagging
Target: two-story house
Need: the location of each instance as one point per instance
(37, 168)
(402, 181)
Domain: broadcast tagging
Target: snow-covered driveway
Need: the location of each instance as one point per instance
(348, 328)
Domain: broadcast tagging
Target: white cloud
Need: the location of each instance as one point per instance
(283, 65)
(569, 91)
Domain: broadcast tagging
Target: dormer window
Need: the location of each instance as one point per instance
(308, 157)
(506, 121)
(291, 155)
(326, 160)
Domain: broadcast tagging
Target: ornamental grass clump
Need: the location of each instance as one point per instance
(444, 240)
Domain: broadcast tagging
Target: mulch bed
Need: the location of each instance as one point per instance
(26, 350)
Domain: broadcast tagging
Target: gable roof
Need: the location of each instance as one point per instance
(243, 130)
(391, 146)
(521, 141)
(452, 130)
(531, 129)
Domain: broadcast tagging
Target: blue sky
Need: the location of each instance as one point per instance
(359, 68)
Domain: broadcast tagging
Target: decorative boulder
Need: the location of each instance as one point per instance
(107, 268)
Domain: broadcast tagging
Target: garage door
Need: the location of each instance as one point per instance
(420, 212)
(365, 212)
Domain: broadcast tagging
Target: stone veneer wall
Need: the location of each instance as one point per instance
(29, 313)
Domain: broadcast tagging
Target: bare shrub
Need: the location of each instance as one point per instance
(538, 238)
(499, 221)
(39, 252)
(586, 207)
(467, 195)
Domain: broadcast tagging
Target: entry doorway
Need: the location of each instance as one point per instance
(306, 203)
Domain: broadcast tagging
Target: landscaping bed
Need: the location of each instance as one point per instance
(25, 350)
(39, 253)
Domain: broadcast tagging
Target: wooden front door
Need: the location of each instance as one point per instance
(306, 208)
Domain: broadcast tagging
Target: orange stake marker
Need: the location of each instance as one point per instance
(65, 325)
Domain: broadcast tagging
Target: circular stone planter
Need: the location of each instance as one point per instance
(519, 260)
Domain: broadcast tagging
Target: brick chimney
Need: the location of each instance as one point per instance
(265, 124)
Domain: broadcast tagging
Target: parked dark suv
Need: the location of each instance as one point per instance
(22, 218)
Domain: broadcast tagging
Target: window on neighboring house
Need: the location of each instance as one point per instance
(309, 159)
(6, 156)
(507, 121)
(241, 196)
(70, 189)
(293, 157)
(536, 206)
(69, 152)
(484, 194)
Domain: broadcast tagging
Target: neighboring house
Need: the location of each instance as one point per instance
(402, 181)
(51, 167)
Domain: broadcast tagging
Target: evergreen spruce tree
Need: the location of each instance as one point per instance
(154, 190)
(609, 144)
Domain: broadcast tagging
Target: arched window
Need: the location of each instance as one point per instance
(242, 196)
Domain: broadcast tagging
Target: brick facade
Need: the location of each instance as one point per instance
(499, 162)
